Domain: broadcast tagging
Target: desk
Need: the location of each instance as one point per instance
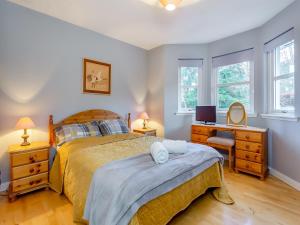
(251, 146)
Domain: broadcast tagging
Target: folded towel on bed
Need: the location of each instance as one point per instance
(177, 147)
(159, 153)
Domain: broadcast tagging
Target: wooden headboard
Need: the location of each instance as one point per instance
(83, 117)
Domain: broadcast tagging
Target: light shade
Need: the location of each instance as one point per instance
(144, 116)
(170, 5)
(25, 123)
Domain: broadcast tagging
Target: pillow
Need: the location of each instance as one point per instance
(109, 127)
(70, 132)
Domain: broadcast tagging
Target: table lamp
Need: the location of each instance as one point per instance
(25, 123)
(144, 116)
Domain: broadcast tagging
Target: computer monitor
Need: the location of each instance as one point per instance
(206, 114)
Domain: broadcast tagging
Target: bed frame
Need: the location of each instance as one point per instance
(83, 117)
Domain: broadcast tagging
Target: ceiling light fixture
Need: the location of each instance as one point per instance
(170, 5)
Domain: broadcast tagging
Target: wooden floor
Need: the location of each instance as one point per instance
(257, 202)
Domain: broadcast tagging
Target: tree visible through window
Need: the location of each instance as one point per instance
(283, 78)
(233, 85)
(188, 88)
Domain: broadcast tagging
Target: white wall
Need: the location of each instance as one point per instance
(41, 73)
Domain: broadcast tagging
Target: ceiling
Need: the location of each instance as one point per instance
(144, 23)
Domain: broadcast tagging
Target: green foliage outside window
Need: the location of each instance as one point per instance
(229, 90)
(189, 87)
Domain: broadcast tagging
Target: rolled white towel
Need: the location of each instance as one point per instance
(177, 147)
(159, 153)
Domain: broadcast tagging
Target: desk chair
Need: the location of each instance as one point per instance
(226, 144)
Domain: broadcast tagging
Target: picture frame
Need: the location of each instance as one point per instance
(96, 77)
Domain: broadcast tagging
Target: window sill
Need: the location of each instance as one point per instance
(280, 116)
(184, 113)
(249, 115)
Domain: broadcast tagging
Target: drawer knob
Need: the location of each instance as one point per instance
(38, 171)
(257, 151)
(247, 137)
(31, 170)
(39, 165)
(31, 182)
(31, 158)
(38, 181)
(247, 156)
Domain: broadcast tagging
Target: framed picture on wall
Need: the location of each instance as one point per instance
(96, 77)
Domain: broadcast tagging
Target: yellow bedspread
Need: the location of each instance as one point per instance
(77, 160)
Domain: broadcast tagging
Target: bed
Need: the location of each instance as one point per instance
(77, 160)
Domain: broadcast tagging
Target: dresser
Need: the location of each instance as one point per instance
(251, 146)
(29, 166)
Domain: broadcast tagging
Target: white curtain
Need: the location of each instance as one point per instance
(233, 58)
(190, 62)
(281, 39)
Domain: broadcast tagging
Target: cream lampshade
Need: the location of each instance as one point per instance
(25, 123)
(144, 116)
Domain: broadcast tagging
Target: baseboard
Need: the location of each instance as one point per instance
(285, 179)
(4, 186)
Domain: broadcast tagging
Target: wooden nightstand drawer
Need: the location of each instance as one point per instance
(199, 130)
(29, 157)
(249, 146)
(249, 136)
(146, 132)
(249, 166)
(29, 182)
(199, 138)
(250, 156)
(151, 133)
(29, 170)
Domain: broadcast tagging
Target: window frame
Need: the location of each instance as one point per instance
(199, 87)
(272, 78)
(215, 86)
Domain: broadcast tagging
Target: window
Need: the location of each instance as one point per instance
(189, 91)
(281, 70)
(281, 73)
(233, 80)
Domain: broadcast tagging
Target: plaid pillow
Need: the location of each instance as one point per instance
(73, 131)
(109, 127)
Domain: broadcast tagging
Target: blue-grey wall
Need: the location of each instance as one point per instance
(41, 70)
(284, 150)
(41, 73)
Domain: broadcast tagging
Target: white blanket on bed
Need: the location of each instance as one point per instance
(121, 187)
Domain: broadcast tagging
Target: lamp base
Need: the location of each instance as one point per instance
(144, 125)
(25, 143)
(25, 136)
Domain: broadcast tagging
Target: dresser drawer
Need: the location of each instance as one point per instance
(249, 146)
(199, 138)
(199, 130)
(19, 159)
(250, 166)
(29, 170)
(250, 156)
(249, 136)
(29, 182)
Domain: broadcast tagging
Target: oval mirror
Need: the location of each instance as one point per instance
(236, 114)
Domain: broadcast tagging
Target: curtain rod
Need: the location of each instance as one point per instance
(190, 59)
(279, 35)
(232, 53)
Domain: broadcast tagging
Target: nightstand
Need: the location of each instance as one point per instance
(29, 166)
(146, 132)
